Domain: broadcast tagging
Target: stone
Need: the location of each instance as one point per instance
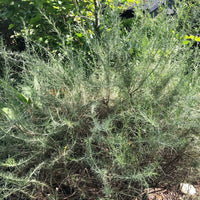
(187, 189)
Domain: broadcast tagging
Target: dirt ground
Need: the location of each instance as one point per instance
(170, 194)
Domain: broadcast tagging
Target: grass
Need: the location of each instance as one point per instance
(105, 121)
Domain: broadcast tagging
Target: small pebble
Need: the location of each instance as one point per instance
(187, 189)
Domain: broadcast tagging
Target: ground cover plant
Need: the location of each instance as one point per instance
(105, 120)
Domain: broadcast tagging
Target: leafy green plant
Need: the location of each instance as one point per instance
(36, 20)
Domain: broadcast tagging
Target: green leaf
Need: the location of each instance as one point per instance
(9, 113)
(10, 26)
(17, 94)
(36, 19)
(79, 35)
(56, 7)
(185, 42)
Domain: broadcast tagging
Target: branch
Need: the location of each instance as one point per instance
(97, 17)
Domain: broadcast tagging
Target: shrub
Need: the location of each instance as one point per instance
(104, 121)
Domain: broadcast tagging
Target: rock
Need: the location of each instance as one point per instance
(187, 189)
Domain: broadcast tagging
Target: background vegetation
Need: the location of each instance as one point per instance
(93, 106)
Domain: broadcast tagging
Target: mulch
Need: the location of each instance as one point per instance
(170, 194)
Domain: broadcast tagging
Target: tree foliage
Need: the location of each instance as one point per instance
(35, 19)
